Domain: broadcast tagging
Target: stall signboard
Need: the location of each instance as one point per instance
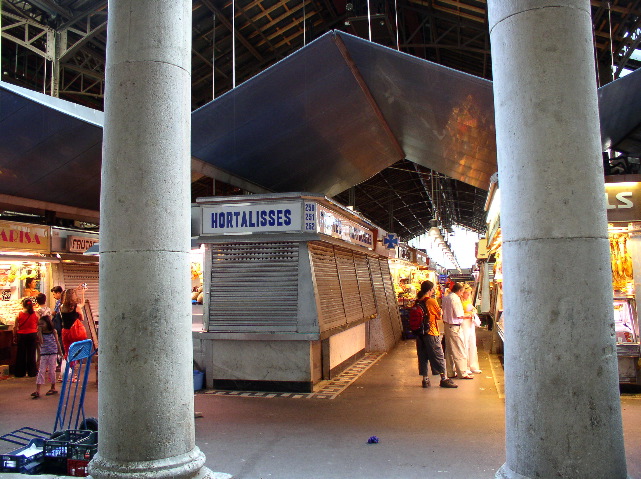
(334, 224)
(404, 252)
(247, 218)
(422, 259)
(24, 237)
(80, 244)
(481, 249)
(623, 201)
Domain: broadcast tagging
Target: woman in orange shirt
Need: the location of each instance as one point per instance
(428, 339)
(25, 335)
(30, 288)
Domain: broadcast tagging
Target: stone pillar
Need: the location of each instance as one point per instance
(145, 402)
(563, 415)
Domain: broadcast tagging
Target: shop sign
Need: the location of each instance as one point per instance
(481, 249)
(422, 259)
(244, 218)
(80, 244)
(338, 226)
(623, 201)
(24, 237)
(390, 240)
(404, 253)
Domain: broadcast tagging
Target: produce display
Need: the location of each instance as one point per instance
(9, 310)
(621, 261)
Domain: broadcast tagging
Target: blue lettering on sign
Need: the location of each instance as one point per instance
(251, 219)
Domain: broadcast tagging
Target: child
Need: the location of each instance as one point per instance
(49, 349)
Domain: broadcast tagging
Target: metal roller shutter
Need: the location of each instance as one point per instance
(349, 285)
(74, 274)
(395, 318)
(254, 287)
(381, 301)
(365, 285)
(331, 313)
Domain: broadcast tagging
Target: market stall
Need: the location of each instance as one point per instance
(294, 291)
(73, 267)
(24, 253)
(624, 231)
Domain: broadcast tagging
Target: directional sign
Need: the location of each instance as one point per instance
(390, 241)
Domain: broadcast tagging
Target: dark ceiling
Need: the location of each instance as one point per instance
(58, 46)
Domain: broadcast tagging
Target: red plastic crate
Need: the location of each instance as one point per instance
(77, 467)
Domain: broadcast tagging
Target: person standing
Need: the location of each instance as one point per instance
(49, 350)
(25, 335)
(428, 339)
(453, 316)
(30, 290)
(56, 291)
(469, 331)
(71, 312)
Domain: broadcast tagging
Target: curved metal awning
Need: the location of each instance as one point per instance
(620, 114)
(328, 117)
(342, 109)
(50, 149)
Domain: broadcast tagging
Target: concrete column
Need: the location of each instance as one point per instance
(146, 411)
(563, 415)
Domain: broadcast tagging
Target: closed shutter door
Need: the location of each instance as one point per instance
(331, 311)
(390, 294)
(349, 285)
(254, 287)
(381, 302)
(366, 290)
(75, 274)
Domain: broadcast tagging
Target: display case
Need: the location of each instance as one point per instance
(626, 325)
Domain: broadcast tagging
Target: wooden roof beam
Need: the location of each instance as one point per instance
(228, 25)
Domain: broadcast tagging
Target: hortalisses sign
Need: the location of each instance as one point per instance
(245, 218)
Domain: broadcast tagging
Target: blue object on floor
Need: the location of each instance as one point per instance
(199, 377)
(372, 440)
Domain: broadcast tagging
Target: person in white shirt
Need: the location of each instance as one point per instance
(453, 317)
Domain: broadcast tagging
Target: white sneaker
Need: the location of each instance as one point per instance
(477, 371)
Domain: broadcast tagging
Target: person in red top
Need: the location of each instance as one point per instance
(25, 335)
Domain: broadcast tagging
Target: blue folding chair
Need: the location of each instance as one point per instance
(71, 411)
(71, 406)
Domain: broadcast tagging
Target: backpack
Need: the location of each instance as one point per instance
(417, 318)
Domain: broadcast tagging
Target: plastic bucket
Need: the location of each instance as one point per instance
(199, 377)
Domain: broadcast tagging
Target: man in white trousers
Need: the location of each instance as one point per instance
(453, 317)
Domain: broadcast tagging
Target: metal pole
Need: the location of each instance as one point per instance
(398, 45)
(213, 60)
(233, 43)
(369, 21)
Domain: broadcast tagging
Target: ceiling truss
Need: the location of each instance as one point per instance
(58, 47)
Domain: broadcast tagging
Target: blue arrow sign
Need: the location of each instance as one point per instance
(390, 241)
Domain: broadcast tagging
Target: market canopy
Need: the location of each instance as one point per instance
(326, 118)
(341, 109)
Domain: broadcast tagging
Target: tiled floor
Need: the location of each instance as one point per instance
(328, 389)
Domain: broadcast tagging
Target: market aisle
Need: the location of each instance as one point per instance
(433, 432)
(424, 433)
